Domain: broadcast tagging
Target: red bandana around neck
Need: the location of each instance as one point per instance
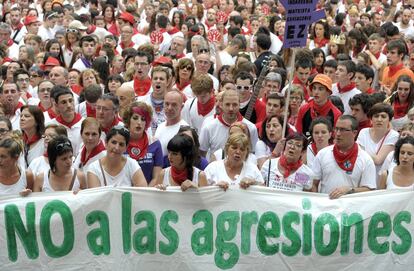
(320, 42)
(97, 150)
(10, 42)
(77, 89)
(394, 69)
(346, 161)
(114, 123)
(179, 176)
(288, 167)
(142, 87)
(370, 91)
(377, 55)
(314, 149)
(221, 119)
(90, 110)
(319, 111)
(400, 110)
(42, 107)
(296, 81)
(75, 120)
(51, 113)
(30, 141)
(123, 46)
(364, 124)
(204, 109)
(346, 88)
(19, 105)
(181, 87)
(173, 30)
(138, 149)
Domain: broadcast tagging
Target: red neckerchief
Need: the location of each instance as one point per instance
(394, 69)
(42, 107)
(142, 87)
(220, 118)
(45, 154)
(204, 109)
(320, 42)
(296, 81)
(114, 123)
(91, 29)
(364, 124)
(288, 167)
(209, 25)
(281, 37)
(180, 56)
(347, 88)
(138, 149)
(314, 149)
(377, 55)
(181, 87)
(173, 30)
(90, 111)
(319, 111)
(162, 30)
(29, 141)
(51, 113)
(96, 150)
(75, 120)
(10, 42)
(370, 91)
(400, 110)
(346, 161)
(18, 27)
(76, 89)
(179, 176)
(123, 46)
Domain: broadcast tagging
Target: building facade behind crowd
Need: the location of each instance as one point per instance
(191, 94)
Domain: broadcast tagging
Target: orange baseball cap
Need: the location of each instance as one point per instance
(324, 80)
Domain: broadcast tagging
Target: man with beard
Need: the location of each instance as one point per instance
(18, 31)
(177, 47)
(215, 130)
(10, 96)
(210, 22)
(404, 25)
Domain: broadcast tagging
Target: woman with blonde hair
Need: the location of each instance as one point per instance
(234, 169)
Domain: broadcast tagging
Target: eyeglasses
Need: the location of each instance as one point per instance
(245, 88)
(48, 136)
(104, 109)
(342, 130)
(23, 80)
(201, 51)
(293, 145)
(4, 131)
(188, 68)
(63, 145)
(72, 30)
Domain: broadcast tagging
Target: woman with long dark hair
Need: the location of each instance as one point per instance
(402, 100)
(55, 50)
(182, 172)
(321, 135)
(32, 123)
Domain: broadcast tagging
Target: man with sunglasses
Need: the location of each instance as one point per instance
(344, 168)
(244, 86)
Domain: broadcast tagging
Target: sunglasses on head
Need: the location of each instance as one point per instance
(63, 145)
(71, 30)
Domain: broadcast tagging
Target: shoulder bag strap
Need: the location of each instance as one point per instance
(73, 180)
(102, 171)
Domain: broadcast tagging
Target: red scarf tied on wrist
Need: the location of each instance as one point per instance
(288, 167)
(400, 110)
(220, 118)
(179, 176)
(346, 161)
(95, 151)
(204, 109)
(347, 88)
(138, 149)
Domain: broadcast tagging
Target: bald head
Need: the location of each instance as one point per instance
(126, 95)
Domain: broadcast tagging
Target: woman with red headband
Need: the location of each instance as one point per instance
(141, 148)
(287, 172)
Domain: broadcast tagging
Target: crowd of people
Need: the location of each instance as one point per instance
(157, 93)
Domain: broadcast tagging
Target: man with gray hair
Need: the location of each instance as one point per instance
(177, 47)
(107, 108)
(271, 84)
(5, 39)
(197, 42)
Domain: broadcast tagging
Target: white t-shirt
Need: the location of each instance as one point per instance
(297, 181)
(345, 97)
(214, 134)
(262, 150)
(331, 176)
(123, 178)
(220, 155)
(39, 165)
(167, 173)
(164, 133)
(216, 172)
(77, 163)
(226, 58)
(74, 134)
(37, 150)
(15, 188)
(365, 141)
(191, 116)
(389, 162)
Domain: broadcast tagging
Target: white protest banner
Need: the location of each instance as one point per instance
(253, 229)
